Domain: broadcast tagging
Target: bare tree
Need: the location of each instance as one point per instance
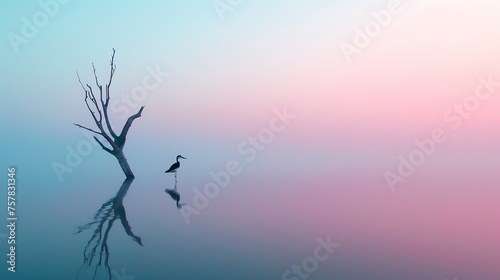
(98, 108)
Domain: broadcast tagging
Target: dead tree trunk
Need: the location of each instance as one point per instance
(122, 160)
(98, 108)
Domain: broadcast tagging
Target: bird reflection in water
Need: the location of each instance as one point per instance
(174, 194)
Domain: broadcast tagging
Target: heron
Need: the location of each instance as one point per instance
(173, 168)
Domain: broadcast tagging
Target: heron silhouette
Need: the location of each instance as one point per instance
(174, 167)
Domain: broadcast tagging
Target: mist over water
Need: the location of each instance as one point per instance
(288, 140)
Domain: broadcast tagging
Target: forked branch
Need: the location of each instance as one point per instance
(98, 109)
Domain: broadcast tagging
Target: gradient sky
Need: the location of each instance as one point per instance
(324, 174)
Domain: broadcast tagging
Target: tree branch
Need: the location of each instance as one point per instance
(97, 84)
(81, 126)
(94, 101)
(90, 110)
(87, 95)
(108, 123)
(95, 76)
(102, 146)
(120, 141)
(104, 104)
(113, 68)
(80, 81)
